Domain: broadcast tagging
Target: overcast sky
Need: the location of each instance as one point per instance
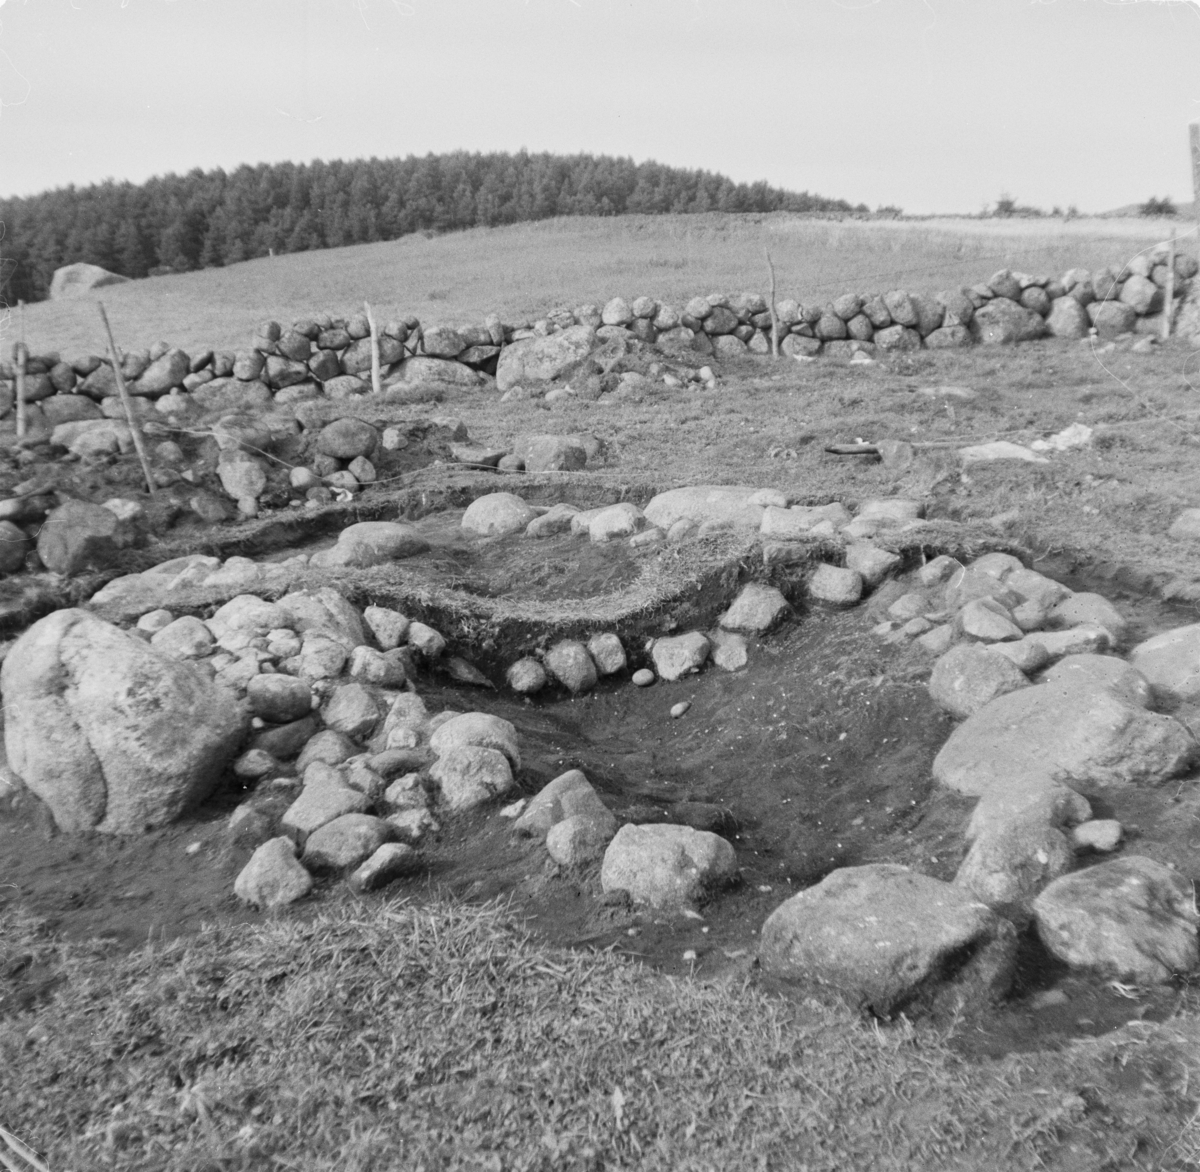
(933, 105)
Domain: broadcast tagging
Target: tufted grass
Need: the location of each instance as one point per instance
(380, 1036)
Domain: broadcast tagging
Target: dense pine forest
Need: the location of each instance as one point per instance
(208, 218)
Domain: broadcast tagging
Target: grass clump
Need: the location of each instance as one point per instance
(390, 1036)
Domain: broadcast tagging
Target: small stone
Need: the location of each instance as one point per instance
(678, 710)
(391, 861)
(1088, 609)
(1186, 527)
(527, 676)
(430, 643)
(679, 655)
(938, 641)
(756, 609)
(255, 764)
(273, 877)
(616, 521)
(156, 620)
(351, 710)
(412, 826)
(729, 650)
(347, 438)
(909, 606)
(185, 638)
(607, 653)
(470, 775)
(389, 627)
(406, 793)
(987, 620)
(1026, 655)
(643, 677)
(835, 585)
(969, 676)
(344, 843)
(278, 698)
(580, 838)
(569, 662)
(322, 799)
(940, 570)
(555, 520)
(328, 747)
(873, 563)
(1102, 835)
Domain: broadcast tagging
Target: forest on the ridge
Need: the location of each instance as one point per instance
(204, 219)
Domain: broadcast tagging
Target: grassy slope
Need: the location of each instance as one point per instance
(388, 1037)
(527, 269)
(298, 1040)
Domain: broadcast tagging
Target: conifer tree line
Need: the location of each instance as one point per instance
(203, 219)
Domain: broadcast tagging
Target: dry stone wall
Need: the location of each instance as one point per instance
(330, 357)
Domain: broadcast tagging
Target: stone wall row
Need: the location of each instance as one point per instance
(328, 356)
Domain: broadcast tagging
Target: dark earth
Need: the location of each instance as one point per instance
(816, 755)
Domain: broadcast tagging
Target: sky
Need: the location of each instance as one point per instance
(929, 105)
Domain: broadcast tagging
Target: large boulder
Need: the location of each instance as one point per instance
(497, 514)
(371, 543)
(538, 360)
(680, 655)
(273, 877)
(470, 775)
(1111, 319)
(1132, 919)
(322, 611)
(969, 676)
(552, 453)
(79, 280)
(164, 373)
(109, 733)
(756, 609)
(1010, 862)
(1068, 319)
(478, 729)
(664, 865)
(346, 438)
(717, 505)
(1079, 735)
(79, 535)
(883, 937)
(1170, 662)
(1001, 320)
(570, 795)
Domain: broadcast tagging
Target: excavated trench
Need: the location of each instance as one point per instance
(814, 756)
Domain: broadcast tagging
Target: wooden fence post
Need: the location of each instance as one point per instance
(376, 379)
(135, 427)
(771, 308)
(21, 357)
(1169, 291)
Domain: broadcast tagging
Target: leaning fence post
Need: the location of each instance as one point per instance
(135, 427)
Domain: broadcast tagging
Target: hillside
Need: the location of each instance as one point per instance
(207, 219)
(523, 270)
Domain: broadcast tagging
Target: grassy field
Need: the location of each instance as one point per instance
(525, 270)
(378, 1036)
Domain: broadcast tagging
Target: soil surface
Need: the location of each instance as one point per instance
(816, 755)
